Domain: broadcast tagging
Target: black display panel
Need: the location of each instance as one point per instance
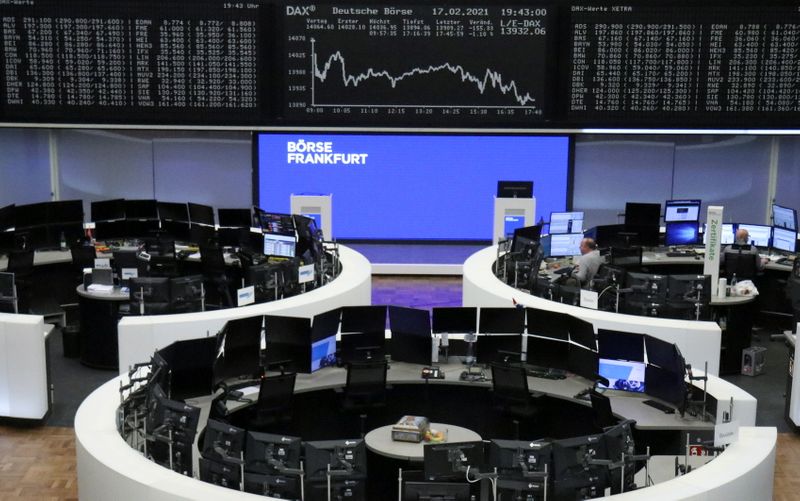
(427, 63)
(682, 63)
(132, 61)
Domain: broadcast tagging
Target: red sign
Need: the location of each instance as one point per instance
(697, 450)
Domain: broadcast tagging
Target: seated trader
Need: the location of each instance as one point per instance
(743, 239)
(588, 262)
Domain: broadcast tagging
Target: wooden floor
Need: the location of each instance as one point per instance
(39, 464)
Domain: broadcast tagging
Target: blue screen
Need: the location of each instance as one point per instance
(682, 233)
(410, 186)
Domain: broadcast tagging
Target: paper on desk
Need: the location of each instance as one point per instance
(100, 288)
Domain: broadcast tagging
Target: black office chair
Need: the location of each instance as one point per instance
(511, 395)
(163, 261)
(275, 400)
(8, 293)
(20, 263)
(365, 389)
(83, 256)
(212, 261)
(601, 410)
(742, 264)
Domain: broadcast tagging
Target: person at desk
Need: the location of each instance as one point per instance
(742, 245)
(588, 262)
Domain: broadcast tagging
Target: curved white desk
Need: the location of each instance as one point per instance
(107, 464)
(141, 336)
(699, 342)
(24, 392)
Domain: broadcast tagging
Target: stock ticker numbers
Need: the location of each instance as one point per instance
(417, 63)
(129, 61)
(694, 66)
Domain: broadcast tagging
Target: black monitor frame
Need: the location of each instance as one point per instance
(514, 189)
(443, 462)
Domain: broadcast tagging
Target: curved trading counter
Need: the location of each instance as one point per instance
(698, 341)
(140, 336)
(106, 463)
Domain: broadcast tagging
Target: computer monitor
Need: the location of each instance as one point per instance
(728, 234)
(7, 217)
(664, 355)
(167, 415)
(344, 456)
(30, 215)
(617, 345)
(267, 453)
(323, 353)
(681, 210)
(759, 234)
(547, 353)
(449, 461)
(362, 346)
(501, 320)
(411, 335)
(517, 458)
(548, 323)
(186, 293)
(141, 209)
(65, 211)
(279, 245)
(363, 318)
(201, 214)
(454, 320)
(580, 332)
(288, 343)
(689, 288)
(438, 491)
(646, 287)
(499, 348)
(666, 385)
(240, 343)
(623, 375)
(525, 236)
(566, 222)
(149, 295)
(784, 217)
(325, 324)
(682, 233)
(108, 210)
(276, 486)
(220, 473)
(265, 278)
(309, 239)
(575, 477)
(278, 224)
(567, 244)
(784, 240)
(173, 211)
(620, 448)
(234, 218)
(642, 214)
(514, 189)
(189, 364)
(583, 362)
(222, 441)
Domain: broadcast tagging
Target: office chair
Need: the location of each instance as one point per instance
(601, 410)
(212, 261)
(163, 261)
(365, 389)
(8, 293)
(20, 263)
(511, 395)
(275, 400)
(83, 256)
(741, 264)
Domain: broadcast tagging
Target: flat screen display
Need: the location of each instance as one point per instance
(728, 234)
(783, 239)
(682, 233)
(566, 222)
(784, 217)
(623, 375)
(279, 245)
(759, 235)
(568, 244)
(410, 187)
(323, 353)
(681, 210)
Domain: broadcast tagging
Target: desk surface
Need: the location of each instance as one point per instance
(115, 294)
(380, 441)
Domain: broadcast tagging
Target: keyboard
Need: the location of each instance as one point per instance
(785, 260)
(681, 254)
(666, 409)
(547, 374)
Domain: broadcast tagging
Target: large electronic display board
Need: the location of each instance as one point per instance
(410, 187)
(568, 64)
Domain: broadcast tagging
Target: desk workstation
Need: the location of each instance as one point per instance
(447, 397)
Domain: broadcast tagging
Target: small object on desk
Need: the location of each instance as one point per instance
(563, 271)
(100, 288)
(658, 405)
(410, 429)
(432, 373)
